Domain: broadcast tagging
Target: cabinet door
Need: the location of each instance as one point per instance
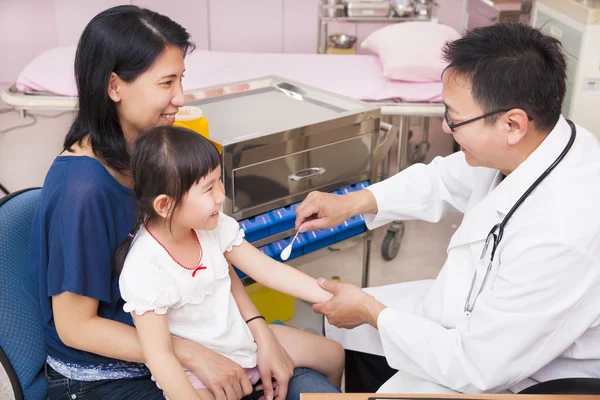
(570, 39)
(246, 26)
(481, 14)
(452, 13)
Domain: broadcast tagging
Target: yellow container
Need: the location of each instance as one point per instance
(271, 303)
(193, 119)
(333, 50)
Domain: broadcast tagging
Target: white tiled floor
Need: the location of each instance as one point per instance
(25, 155)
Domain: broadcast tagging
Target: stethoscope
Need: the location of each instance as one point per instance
(495, 238)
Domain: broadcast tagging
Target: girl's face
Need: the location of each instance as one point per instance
(153, 98)
(200, 207)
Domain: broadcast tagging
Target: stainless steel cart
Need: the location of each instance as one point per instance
(281, 139)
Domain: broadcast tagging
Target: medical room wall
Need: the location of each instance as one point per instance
(28, 27)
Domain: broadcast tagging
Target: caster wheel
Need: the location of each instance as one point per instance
(391, 243)
(419, 152)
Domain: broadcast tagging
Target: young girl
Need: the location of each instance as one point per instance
(175, 278)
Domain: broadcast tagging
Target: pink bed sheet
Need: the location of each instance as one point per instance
(355, 76)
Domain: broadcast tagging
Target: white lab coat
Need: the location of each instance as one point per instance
(538, 315)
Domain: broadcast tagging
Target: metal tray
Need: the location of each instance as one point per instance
(281, 139)
(367, 9)
(244, 110)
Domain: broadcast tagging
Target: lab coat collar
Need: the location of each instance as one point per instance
(499, 195)
(504, 196)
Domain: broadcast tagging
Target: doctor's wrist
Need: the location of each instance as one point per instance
(363, 202)
(372, 310)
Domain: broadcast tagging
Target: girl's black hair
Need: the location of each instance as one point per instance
(166, 160)
(125, 40)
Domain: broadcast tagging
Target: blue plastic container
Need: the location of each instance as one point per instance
(351, 227)
(239, 273)
(353, 188)
(267, 250)
(282, 219)
(319, 239)
(256, 228)
(363, 185)
(297, 247)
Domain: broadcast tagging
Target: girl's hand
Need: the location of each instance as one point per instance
(273, 363)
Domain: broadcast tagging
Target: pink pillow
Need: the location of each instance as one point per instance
(51, 71)
(411, 51)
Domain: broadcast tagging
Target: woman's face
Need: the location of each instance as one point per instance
(153, 98)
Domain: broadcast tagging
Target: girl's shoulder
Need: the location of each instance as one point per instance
(227, 233)
(143, 251)
(145, 279)
(146, 286)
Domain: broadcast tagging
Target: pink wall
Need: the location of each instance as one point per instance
(28, 27)
(190, 14)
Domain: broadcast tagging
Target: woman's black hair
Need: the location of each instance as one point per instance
(166, 160)
(125, 40)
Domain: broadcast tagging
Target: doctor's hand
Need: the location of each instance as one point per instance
(325, 210)
(349, 307)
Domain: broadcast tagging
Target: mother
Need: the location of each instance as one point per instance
(128, 67)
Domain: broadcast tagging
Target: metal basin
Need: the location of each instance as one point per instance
(342, 41)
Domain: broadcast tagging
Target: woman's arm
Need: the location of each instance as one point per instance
(79, 326)
(276, 275)
(155, 339)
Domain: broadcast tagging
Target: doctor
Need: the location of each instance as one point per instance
(518, 299)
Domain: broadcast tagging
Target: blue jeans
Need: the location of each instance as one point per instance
(61, 388)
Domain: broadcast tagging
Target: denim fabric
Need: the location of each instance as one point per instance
(60, 388)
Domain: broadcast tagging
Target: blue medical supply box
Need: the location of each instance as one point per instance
(256, 228)
(297, 250)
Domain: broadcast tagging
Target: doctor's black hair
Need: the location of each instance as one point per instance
(125, 40)
(512, 66)
(165, 160)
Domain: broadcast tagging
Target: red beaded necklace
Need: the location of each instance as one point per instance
(198, 266)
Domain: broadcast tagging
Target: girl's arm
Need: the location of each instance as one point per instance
(276, 275)
(155, 338)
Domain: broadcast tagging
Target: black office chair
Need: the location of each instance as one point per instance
(574, 386)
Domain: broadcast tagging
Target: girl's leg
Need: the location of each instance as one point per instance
(312, 351)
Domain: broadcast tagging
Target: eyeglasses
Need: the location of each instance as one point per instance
(487, 257)
(453, 126)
